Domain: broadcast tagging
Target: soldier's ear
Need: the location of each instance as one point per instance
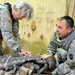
(69, 29)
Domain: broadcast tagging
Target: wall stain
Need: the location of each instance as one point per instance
(33, 25)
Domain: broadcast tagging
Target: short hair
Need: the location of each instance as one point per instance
(69, 21)
(24, 8)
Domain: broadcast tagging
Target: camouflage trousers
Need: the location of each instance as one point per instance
(21, 71)
(64, 69)
(72, 72)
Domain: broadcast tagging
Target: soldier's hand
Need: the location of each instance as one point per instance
(26, 53)
(45, 56)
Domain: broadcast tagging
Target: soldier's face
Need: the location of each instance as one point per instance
(17, 15)
(62, 30)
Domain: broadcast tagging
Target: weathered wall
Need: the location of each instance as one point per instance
(36, 33)
(71, 8)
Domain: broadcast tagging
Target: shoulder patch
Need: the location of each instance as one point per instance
(9, 19)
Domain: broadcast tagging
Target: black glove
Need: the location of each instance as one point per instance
(51, 61)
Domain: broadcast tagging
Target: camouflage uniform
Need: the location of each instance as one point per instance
(66, 55)
(9, 29)
(21, 71)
